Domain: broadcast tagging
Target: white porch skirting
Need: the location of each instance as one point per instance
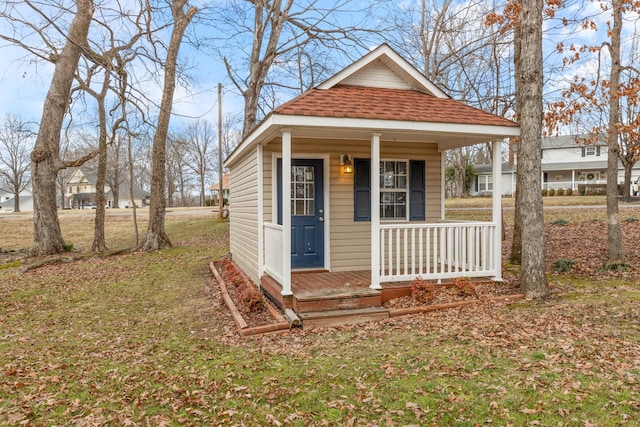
(273, 251)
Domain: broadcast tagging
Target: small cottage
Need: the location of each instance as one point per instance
(343, 186)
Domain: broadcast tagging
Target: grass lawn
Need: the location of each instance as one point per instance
(143, 339)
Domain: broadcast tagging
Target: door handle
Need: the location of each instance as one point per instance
(321, 219)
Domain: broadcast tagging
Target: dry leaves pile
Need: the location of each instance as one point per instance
(144, 339)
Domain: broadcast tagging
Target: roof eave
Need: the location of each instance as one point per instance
(465, 134)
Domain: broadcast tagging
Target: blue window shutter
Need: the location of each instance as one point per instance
(597, 150)
(416, 190)
(279, 189)
(361, 190)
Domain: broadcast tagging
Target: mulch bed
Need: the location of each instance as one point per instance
(446, 294)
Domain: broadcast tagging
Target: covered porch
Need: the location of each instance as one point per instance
(400, 251)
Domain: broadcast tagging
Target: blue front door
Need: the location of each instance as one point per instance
(307, 212)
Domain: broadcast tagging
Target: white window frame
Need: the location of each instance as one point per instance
(404, 190)
(589, 150)
(485, 183)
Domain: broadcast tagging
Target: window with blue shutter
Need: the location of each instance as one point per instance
(361, 190)
(394, 190)
(416, 190)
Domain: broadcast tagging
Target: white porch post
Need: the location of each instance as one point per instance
(375, 211)
(260, 160)
(497, 209)
(573, 179)
(286, 212)
(443, 185)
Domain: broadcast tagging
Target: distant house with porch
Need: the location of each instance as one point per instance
(566, 163)
(215, 189)
(346, 182)
(81, 191)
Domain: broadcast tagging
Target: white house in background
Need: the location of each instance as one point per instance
(7, 202)
(81, 191)
(215, 188)
(566, 163)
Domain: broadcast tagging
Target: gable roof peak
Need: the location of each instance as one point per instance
(387, 58)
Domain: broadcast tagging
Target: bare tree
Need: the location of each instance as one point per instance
(117, 169)
(177, 170)
(16, 141)
(45, 156)
(457, 51)
(201, 151)
(594, 102)
(156, 236)
(282, 32)
(529, 92)
(614, 231)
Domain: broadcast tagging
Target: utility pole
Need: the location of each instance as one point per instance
(220, 174)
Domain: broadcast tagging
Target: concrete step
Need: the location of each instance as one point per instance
(320, 319)
(337, 301)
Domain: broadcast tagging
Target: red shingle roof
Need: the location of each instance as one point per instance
(361, 102)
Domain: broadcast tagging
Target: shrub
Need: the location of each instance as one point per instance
(421, 291)
(68, 247)
(250, 297)
(560, 222)
(569, 191)
(615, 267)
(551, 192)
(544, 192)
(563, 265)
(465, 286)
(630, 219)
(560, 192)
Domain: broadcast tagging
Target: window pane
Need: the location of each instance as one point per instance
(393, 176)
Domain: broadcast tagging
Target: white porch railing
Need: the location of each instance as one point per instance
(437, 251)
(273, 250)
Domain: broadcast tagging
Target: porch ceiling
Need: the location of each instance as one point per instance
(445, 139)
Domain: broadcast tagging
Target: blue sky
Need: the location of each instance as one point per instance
(23, 83)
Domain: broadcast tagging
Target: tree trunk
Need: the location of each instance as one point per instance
(614, 240)
(131, 199)
(626, 187)
(45, 156)
(516, 243)
(533, 279)
(98, 230)
(16, 200)
(156, 238)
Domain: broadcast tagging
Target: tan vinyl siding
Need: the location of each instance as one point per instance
(243, 220)
(377, 74)
(350, 241)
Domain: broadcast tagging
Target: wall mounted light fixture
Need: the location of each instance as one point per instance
(347, 165)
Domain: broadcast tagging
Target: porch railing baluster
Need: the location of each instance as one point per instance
(443, 250)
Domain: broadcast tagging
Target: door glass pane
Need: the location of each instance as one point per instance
(302, 190)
